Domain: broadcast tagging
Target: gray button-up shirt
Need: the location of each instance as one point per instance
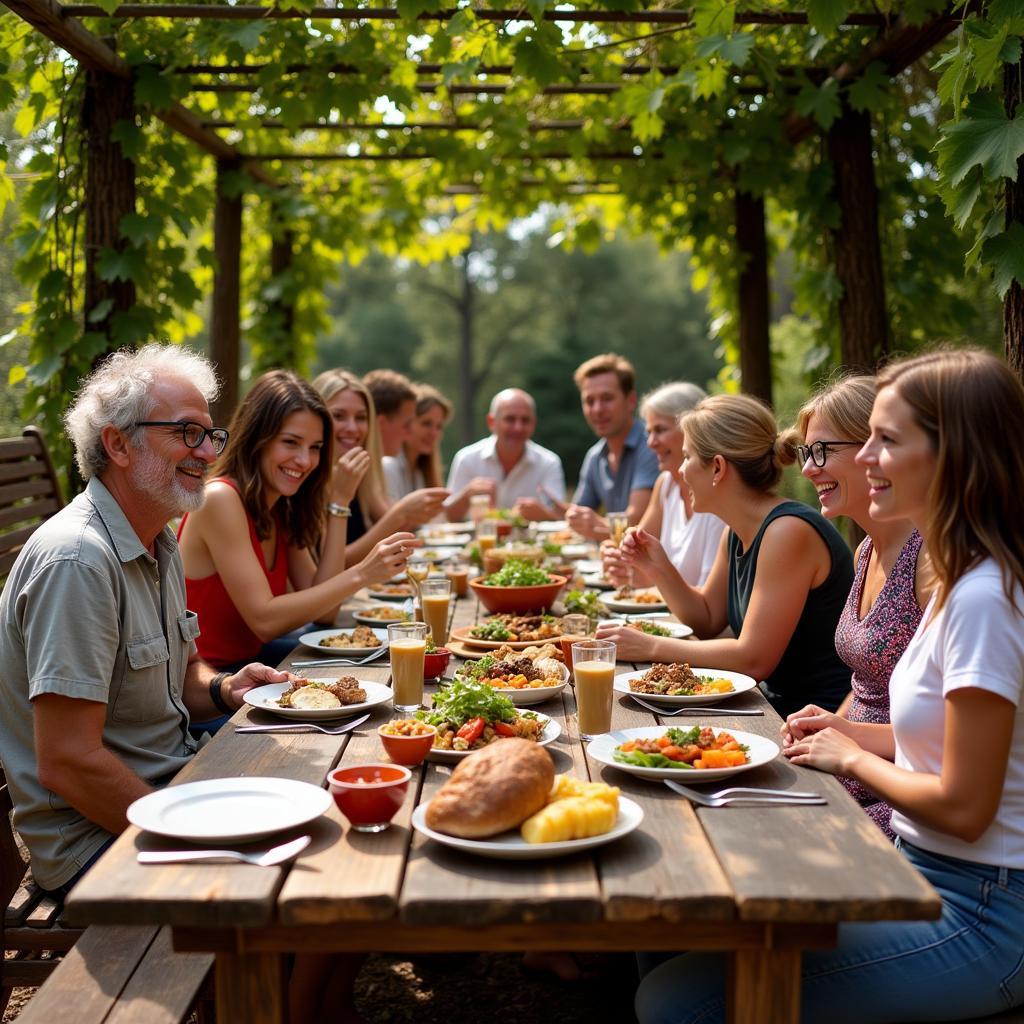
(88, 613)
(600, 488)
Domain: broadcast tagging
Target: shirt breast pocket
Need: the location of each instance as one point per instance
(142, 695)
(188, 624)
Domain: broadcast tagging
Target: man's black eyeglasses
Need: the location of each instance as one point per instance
(193, 434)
(818, 452)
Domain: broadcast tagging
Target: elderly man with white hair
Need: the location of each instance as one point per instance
(99, 675)
(507, 465)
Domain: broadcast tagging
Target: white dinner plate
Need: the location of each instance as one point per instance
(678, 630)
(512, 846)
(589, 566)
(535, 695)
(576, 550)
(445, 539)
(315, 641)
(396, 615)
(602, 748)
(228, 810)
(740, 682)
(597, 581)
(265, 698)
(552, 730)
(551, 525)
(439, 552)
(632, 607)
(384, 595)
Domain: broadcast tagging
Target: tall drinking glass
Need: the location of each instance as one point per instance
(479, 506)
(407, 643)
(618, 523)
(574, 629)
(435, 596)
(593, 664)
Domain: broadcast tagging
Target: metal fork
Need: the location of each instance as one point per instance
(329, 662)
(713, 800)
(327, 730)
(275, 855)
(690, 709)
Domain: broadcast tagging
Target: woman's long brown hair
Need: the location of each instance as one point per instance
(971, 406)
(256, 422)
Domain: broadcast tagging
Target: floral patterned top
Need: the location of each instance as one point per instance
(871, 647)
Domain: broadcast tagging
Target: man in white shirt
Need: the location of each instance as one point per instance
(507, 464)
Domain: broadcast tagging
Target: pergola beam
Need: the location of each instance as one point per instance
(52, 20)
(251, 13)
(567, 125)
(424, 155)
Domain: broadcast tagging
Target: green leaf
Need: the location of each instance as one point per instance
(410, 10)
(152, 89)
(711, 79)
(246, 35)
(130, 138)
(990, 230)
(820, 102)
(537, 8)
(537, 61)
(983, 137)
(736, 49)
(735, 149)
(988, 49)
(870, 91)
(51, 285)
(825, 16)
(139, 228)
(42, 370)
(459, 69)
(711, 16)
(16, 375)
(109, 5)
(961, 199)
(954, 79)
(100, 311)
(126, 265)
(462, 23)
(1005, 255)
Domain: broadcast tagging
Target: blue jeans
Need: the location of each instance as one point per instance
(969, 963)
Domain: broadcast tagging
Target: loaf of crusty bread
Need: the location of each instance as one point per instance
(493, 790)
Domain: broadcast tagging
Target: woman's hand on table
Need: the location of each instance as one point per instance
(630, 644)
(807, 721)
(828, 750)
(348, 473)
(388, 558)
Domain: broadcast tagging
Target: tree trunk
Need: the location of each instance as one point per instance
(754, 300)
(863, 320)
(109, 191)
(1013, 302)
(225, 333)
(467, 378)
(281, 254)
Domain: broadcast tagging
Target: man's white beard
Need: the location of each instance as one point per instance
(157, 478)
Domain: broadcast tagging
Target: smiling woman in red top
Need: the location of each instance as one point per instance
(272, 498)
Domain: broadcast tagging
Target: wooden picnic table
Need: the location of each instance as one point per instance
(762, 884)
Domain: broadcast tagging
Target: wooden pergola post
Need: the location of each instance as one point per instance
(109, 191)
(754, 301)
(225, 332)
(863, 320)
(1013, 301)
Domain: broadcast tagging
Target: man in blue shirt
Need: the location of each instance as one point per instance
(619, 471)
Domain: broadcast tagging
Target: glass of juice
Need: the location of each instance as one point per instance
(486, 535)
(459, 576)
(618, 523)
(574, 628)
(593, 663)
(407, 643)
(479, 506)
(435, 596)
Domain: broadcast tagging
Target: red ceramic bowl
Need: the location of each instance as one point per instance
(435, 663)
(369, 795)
(518, 599)
(407, 750)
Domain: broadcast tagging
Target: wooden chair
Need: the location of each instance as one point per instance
(31, 927)
(29, 492)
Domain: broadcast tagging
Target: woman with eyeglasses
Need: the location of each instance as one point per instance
(951, 764)
(892, 581)
(249, 573)
(781, 574)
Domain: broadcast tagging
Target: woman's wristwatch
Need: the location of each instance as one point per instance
(338, 511)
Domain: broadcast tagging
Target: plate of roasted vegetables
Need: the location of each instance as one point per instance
(525, 677)
(470, 715)
(699, 752)
(677, 683)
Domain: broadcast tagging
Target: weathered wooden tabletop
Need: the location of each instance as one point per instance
(761, 883)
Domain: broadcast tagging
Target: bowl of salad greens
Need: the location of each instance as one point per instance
(518, 586)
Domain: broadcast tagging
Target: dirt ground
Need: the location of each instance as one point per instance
(488, 988)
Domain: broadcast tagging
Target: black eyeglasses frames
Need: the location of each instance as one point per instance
(819, 450)
(193, 434)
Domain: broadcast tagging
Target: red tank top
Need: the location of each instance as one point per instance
(225, 638)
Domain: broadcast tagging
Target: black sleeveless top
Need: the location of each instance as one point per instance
(356, 523)
(810, 671)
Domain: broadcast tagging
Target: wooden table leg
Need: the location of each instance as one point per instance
(763, 985)
(251, 987)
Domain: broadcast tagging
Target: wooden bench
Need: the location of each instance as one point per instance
(29, 492)
(121, 974)
(31, 927)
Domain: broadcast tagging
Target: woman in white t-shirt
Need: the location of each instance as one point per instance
(690, 539)
(945, 453)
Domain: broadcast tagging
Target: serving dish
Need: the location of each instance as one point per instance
(517, 599)
(552, 730)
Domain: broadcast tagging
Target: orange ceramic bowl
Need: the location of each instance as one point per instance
(436, 662)
(369, 795)
(407, 750)
(518, 599)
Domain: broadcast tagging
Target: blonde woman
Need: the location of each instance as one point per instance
(780, 577)
(418, 465)
(690, 539)
(372, 514)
